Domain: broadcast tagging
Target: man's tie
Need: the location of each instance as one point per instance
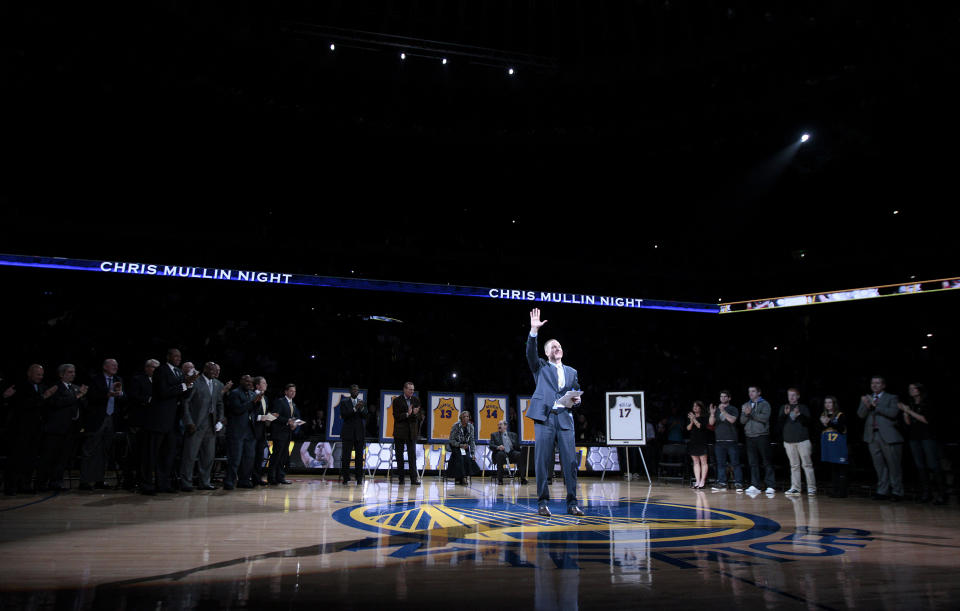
(876, 424)
(109, 399)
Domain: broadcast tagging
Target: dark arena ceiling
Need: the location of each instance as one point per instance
(650, 147)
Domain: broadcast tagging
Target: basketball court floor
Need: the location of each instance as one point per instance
(321, 544)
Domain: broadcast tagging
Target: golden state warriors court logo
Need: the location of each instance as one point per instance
(623, 521)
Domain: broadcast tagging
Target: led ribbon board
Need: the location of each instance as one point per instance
(216, 273)
(870, 292)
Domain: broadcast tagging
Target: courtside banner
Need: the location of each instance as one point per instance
(261, 277)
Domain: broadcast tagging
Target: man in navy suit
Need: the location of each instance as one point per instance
(103, 401)
(552, 422)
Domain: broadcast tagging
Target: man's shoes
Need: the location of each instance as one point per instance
(345, 482)
(245, 485)
(753, 490)
(544, 511)
(500, 480)
(284, 481)
(148, 491)
(259, 482)
(101, 486)
(85, 486)
(185, 488)
(895, 498)
(811, 492)
(460, 482)
(400, 481)
(738, 487)
(414, 482)
(228, 486)
(770, 490)
(523, 481)
(792, 492)
(880, 497)
(359, 482)
(574, 510)
(207, 487)
(718, 487)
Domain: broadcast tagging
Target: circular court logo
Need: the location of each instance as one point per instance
(655, 524)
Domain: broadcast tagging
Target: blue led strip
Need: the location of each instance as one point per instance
(217, 273)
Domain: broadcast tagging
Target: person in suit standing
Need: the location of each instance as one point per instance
(261, 430)
(202, 419)
(103, 402)
(139, 397)
(552, 421)
(407, 416)
(242, 404)
(880, 411)
(170, 385)
(353, 413)
(281, 430)
(506, 448)
(26, 410)
(62, 410)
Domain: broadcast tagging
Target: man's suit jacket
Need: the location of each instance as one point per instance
(279, 428)
(203, 408)
(241, 413)
(27, 409)
(548, 389)
(92, 415)
(261, 407)
(404, 428)
(139, 397)
(167, 392)
(496, 440)
(61, 410)
(354, 420)
(885, 415)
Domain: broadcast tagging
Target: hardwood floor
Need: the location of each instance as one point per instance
(319, 542)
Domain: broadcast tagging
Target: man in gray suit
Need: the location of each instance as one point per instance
(880, 411)
(202, 419)
(552, 422)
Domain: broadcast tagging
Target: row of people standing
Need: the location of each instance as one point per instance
(882, 412)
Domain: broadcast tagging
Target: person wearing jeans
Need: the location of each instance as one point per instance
(722, 420)
(755, 417)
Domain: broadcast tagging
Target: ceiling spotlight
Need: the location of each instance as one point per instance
(929, 334)
(403, 56)
(444, 61)
(804, 137)
(923, 347)
(453, 375)
(776, 347)
(333, 47)
(896, 212)
(510, 71)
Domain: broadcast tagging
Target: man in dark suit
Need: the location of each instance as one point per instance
(62, 411)
(880, 411)
(202, 418)
(139, 397)
(506, 448)
(552, 421)
(241, 409)
(281, 430)
(103, 402)
(353, 412)
(170, 386)
(261, 430)
(26, 404)
(407, 416)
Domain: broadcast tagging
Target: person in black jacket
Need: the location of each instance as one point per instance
(139, 397)
(353, 412)
(794, 423)
(281, 430)
(170, 385)
(97, 420)
(241, 405)
(61, 413)
(26, 404)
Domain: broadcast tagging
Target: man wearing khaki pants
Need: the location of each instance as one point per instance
(794, 424)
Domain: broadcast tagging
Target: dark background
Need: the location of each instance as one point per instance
(642, 148)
